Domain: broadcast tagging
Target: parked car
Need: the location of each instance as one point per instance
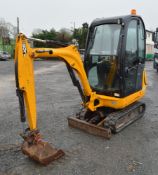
(4, 56)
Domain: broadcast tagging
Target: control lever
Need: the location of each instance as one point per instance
(128, 69)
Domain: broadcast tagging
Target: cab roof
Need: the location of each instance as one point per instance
(112, 20)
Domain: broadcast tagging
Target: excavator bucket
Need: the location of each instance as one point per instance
(39, 150)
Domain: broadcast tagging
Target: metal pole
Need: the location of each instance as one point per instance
(18, 25)
(74, 26)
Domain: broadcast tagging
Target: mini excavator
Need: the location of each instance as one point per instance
(111, 80)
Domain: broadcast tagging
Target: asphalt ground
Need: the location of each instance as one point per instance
(134, 151)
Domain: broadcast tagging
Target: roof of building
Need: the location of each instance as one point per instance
(149, 31)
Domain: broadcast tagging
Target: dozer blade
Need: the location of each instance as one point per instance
(106, 123)
(39, 150)
(90, 128)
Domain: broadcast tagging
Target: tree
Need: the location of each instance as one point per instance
(80, 34)
(7, 36)
(45, 35)
(64, 35)
(84, 35)
(7, 30)
(4, 32)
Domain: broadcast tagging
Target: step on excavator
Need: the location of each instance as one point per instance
(111, 80)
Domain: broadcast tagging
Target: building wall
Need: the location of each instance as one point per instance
(149, 45)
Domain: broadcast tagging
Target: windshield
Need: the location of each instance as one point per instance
(103, 58)
(105, 39)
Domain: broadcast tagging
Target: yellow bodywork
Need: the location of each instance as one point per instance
(24, 57)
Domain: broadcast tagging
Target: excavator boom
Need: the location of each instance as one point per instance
(24, 57)
(33, 145)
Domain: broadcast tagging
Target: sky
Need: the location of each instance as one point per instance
(47, 14)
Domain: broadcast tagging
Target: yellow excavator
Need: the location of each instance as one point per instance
(111, 80)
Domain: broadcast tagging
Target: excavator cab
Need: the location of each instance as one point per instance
(115, 55)
(110, 81)
(114, 63)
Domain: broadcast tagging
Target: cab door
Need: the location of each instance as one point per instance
(134, 57)
(141, 54)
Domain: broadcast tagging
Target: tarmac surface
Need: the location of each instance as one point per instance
(134, 151)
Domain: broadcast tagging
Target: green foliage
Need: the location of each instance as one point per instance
(81, 34)
(8, 47)
(63, 35)
(45, 35)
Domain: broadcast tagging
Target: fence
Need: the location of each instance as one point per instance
(8, 47)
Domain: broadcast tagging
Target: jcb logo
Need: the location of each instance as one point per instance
(24, 48)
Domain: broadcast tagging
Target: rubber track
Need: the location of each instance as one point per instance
(126, 116)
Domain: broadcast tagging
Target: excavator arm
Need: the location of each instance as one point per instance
(24, 76)
(33, 145)
(24, 57)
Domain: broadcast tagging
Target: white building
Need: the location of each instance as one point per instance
(149, 45)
